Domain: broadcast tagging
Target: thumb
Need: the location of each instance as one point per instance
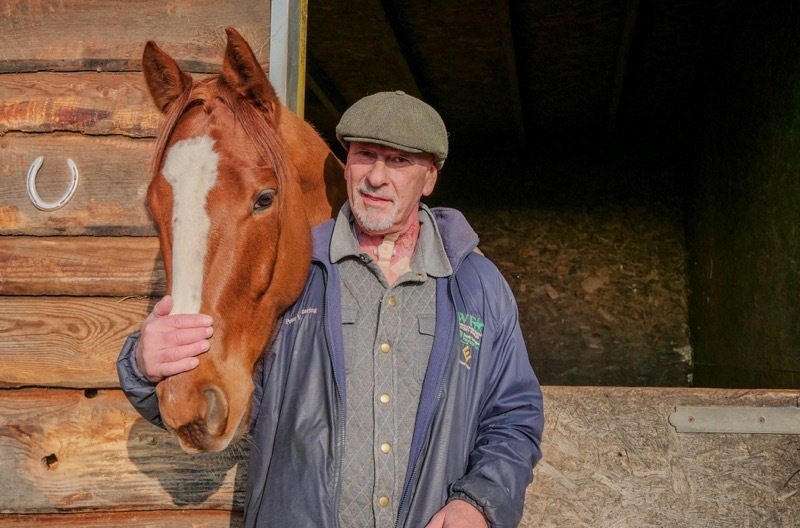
(163, 307)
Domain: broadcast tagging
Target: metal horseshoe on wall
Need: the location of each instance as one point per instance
(34, 196)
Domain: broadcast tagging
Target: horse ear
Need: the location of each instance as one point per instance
(243, 73)
(165, 80)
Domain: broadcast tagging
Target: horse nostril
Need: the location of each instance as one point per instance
(216, 412)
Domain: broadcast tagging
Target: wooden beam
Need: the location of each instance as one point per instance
(93, 36)
(65, 341)
(109, 200)
(404, 44)
(132, 519)
(627, 31)
(510, 56)
(323, 89)
(70, 451)
(81, 266)
(87, 102)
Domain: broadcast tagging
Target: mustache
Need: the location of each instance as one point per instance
(378, 192)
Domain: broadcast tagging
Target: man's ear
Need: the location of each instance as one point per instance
(430, 179)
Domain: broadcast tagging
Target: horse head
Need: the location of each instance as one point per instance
(238, 182)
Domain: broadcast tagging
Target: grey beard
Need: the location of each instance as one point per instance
(367, 220)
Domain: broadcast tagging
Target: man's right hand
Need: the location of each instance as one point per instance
(169, 344)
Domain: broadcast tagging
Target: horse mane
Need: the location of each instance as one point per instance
(260, 126)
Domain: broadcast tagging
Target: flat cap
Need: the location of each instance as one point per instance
(397, 120)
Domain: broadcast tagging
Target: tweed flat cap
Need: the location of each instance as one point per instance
(397, 120)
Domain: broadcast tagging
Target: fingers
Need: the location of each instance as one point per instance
(169, 344)
(165, 370)
(177, 337)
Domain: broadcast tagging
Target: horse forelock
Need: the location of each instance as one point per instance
(260, 127)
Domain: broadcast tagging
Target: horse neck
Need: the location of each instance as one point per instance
(319, 172)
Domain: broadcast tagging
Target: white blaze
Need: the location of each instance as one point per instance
(191, 168)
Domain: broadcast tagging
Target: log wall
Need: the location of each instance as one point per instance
(75, 281)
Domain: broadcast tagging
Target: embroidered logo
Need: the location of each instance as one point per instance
(302, 313)
(470, 331)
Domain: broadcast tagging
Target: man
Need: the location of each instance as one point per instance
(398, 391)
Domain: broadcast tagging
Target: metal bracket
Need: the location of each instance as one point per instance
(745, 420)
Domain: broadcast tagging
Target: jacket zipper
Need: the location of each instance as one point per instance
(407, 489)
(340, 410)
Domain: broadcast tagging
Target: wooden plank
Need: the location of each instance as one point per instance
(62, 451)
(611, 458)
(89, 103)
(110, 35)
(134, 519)
(111, 189)
(65, 341)
(80, 266)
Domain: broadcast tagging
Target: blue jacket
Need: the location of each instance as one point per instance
(479, 422)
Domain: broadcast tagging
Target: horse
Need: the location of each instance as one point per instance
(238, 181)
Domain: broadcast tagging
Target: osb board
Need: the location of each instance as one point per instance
(601, 285)
(101, 266)
(65, 341)
(143, 519)
(109, 35)
(63, 450)
(610, 459)
(113, 175)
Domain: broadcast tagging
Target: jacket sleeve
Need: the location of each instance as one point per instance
(507, 446)
(139, 390)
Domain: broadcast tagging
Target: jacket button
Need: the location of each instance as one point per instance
(385, 348)
(383, 501)
(392, 301)
(386, 448)
(385, 398)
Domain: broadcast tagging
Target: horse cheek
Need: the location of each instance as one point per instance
(294, 251)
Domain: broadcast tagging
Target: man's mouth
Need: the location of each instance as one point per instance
(371, 199)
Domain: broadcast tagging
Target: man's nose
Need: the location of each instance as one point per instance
(378, 175)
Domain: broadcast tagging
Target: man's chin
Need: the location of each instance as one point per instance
(373, 223)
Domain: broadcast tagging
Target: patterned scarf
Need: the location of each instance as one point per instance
(392, 252)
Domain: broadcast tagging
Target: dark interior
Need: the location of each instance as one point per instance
(631, 167)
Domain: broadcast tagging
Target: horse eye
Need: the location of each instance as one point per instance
(264, 200)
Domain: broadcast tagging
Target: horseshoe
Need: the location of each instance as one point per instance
(34, 196)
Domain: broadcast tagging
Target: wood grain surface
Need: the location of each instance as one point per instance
(80, 266)
(65, 341)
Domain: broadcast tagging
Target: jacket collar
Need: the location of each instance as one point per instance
(458, 237)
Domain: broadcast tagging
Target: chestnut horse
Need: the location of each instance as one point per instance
(238, 182)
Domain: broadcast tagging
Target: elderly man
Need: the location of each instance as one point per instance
(398, 391)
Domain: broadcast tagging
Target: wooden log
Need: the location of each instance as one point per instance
(110, 198)
(134, 519)
(63, 451)
(89, 103)
(65, 341)
(81, 266)
(110, 35)
(612, 459)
